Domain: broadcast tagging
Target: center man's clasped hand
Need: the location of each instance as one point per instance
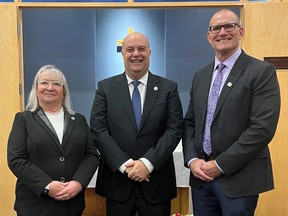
(137, 171)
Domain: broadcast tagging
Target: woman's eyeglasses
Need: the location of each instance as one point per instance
(46, 83)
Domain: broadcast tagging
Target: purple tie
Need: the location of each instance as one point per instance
(212, 102)
(136, 101)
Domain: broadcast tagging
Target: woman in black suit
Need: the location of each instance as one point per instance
(51, 151)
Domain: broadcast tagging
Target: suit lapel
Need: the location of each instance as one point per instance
(233, 77)
(123, 95)
(202, 86)
(43, 121)
(152, 91)
(204, 89)
(69, 121)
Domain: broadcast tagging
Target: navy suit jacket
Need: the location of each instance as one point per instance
(36, 158)
(116, 136)
(244, 123)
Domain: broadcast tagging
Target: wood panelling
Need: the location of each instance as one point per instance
(266, 29)
(266, 35)
(275, 202)
(95, 204)
(9, 100)
(181, 203)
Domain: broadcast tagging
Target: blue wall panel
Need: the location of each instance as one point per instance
(112, 25)
(65, 38)
(83, 44)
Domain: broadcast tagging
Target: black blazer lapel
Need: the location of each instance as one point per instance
(69, 121)
(43, 121)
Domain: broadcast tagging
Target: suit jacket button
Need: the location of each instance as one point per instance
(62, 159)
(62, 179)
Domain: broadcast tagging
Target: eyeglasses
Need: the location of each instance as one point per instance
(46, 83)
(229, 27)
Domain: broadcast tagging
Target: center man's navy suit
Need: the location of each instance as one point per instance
(117, 138)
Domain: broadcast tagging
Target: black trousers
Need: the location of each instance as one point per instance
(137, 204)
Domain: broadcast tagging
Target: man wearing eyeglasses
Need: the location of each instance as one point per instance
(232, 117)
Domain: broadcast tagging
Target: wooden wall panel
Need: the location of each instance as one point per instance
(9, 100)
(275, 202)
(266, 36)
(266, 29)
(181, 203)
(279, 153)
(95, 204)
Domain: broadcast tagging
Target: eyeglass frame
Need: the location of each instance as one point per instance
(223, 26)
(46, 83)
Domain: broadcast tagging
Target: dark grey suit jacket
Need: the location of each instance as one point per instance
(244, 123)
(36, 158)
(116, 136)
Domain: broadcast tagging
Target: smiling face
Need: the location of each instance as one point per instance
(50, 92)
(225, 43)
(136, 55)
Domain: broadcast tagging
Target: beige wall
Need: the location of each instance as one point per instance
(9, 100)
(266, 31)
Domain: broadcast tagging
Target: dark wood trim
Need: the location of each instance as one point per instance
(279, 62)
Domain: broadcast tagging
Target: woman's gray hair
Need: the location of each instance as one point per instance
(33, 102)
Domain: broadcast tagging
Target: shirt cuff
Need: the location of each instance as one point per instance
(190, 161)
(122, 168)
(218, 166)
(148, 164)
(48, 186)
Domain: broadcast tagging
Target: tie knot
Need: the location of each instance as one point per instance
(221, 66)
(135, 83)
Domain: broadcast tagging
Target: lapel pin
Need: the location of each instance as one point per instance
(155, 88)
(229, 84)
(73, 118)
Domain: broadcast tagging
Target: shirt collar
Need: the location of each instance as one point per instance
(229, 63)
(143, 79)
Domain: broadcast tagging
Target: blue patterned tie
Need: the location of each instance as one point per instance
(212, 102)
(136, 101)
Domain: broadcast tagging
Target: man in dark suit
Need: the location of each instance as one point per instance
(136, 172)
(227, 151)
